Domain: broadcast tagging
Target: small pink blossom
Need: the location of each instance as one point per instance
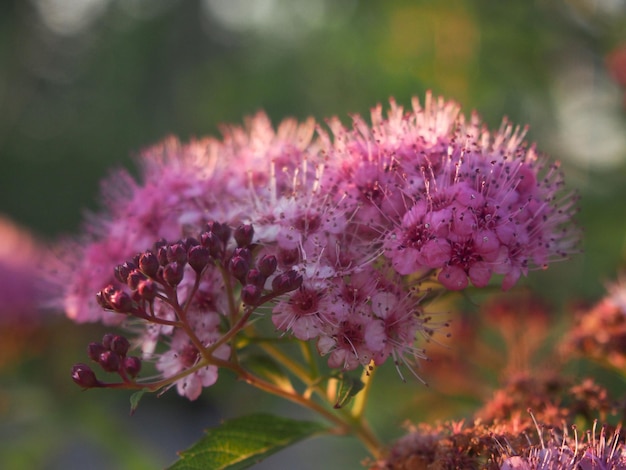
(183, 355)
(305, 311)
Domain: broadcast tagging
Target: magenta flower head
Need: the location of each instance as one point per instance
(447, 195)
(325, 234)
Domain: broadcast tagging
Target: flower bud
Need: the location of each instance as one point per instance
(137, 298)
(132, 365)
(147, 290)
(199, 257)
(245, 253)
(267, 265)
(120, 345)
(134, 278)
(286, 282)
(101, 298)
(162, 255)
(94, 350)
(238, 267)
(109, 361)
(212, 243)
(122, 271)
(250, 294)
(255, 277)
(107, 339)
(222, 231)
(121, 301)
(177, 253)
(189, 243)
(243, 235)
(85, 377)
(173, 273)
(149, 264)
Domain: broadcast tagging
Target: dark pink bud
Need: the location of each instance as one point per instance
(147, 290)
(243, 235)
(135, 260)
(177, 253)
(256, 278)
(122, 271)
(149, 264)
(199, 257)
(173, 273)
(212, 243)
(132, 366)
(189, 243)
(222, 231)
(121, 302)
(85, 377)
(238, 267)
(94, 350)
(101, 298)
(245, 253)
(120, 345)
(162, 255)
(107, 339)
(134, 278)
(286, 282)
(250, 294)
(109, 361)
(267, 265)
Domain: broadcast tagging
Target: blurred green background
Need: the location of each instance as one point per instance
(85, 84)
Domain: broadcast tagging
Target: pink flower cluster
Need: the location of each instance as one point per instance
(360, 213)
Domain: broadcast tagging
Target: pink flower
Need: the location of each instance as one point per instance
(348, 222)
(183, 355)
(455, 197)
(347, 342)
(23, 291)
(305, 311)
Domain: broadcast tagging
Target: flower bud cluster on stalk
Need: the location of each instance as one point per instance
(337, 236)
(166, 287)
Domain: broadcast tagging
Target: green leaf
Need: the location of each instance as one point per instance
(134, 400)
(242, 442)
(348, 388)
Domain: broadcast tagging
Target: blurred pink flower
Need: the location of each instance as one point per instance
(21, 287)
(23, 292)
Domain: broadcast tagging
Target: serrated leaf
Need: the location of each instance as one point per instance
(134, 400)
(240, 443)
(348, 388)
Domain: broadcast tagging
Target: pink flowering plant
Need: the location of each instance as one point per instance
(301, 259)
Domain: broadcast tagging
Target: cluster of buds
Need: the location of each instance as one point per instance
(112, 356)
(158, 272)
(170, 289)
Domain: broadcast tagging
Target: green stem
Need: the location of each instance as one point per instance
(363, 431)
(230, 295)
(230, 334)
(307, 352)
(292, 366)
